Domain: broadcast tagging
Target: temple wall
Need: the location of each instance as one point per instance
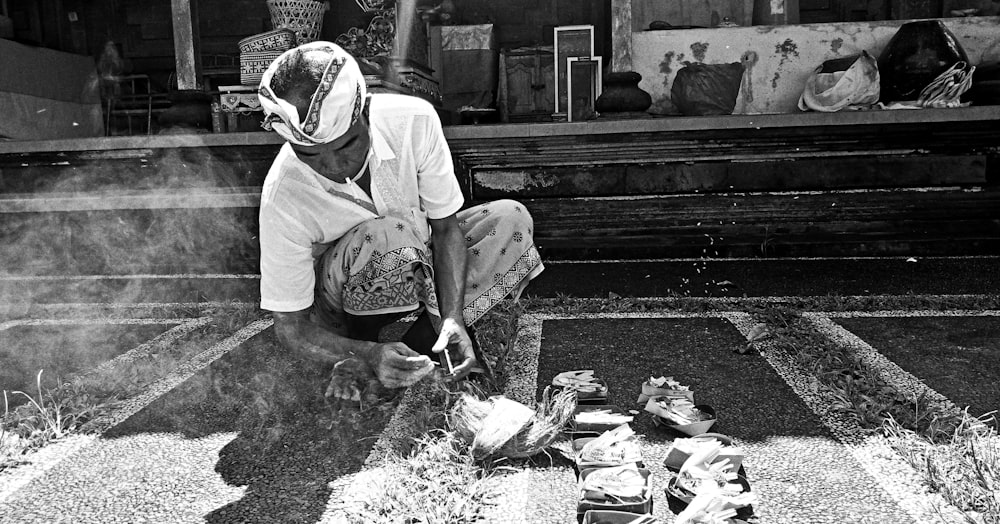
(786, 55)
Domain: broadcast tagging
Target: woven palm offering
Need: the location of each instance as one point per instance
(617, 447)
(499, 426)
(583, 382)
(710, 489)
(664, 387)
(305, 17)
(681, 414)
(627, 487)
(682, 448)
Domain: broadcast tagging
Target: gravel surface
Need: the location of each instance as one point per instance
(243, 440)
(956, 356)
(62, 350)
(249, 439)
(799, 470)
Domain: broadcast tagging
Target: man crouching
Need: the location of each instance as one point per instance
(362, 223)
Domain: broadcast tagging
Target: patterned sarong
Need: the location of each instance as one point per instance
(382, 267)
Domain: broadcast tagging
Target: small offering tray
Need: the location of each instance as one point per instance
(664, 387)
(589, 389)
(663, 417)
(592, 420)
(676, 455)
(678, 498)
(645, 506)
(599, 516)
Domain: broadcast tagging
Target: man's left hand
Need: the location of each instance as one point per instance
(454, 339)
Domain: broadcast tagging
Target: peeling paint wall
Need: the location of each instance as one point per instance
(785, 56)
(514, 181)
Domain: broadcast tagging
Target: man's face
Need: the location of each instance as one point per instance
(342, 158)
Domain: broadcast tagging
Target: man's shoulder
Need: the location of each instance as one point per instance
(283, 176)
(388, 105)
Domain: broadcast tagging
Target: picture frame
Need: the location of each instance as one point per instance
(571, 41)
(583, 87)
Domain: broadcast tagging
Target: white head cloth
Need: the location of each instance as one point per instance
(334, 107)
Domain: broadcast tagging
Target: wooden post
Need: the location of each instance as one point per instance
(187, 44)
(621, 35)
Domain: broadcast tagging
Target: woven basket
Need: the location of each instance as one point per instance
(305, 17)
(276, 40)
(253, 65)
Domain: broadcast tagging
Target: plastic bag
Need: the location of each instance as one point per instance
(707, 89)
(844, 83)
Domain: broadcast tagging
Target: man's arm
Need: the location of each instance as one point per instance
(393, 363)
(300, 335)
(450, 264)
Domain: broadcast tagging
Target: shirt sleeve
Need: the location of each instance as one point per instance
(440, 194)
(287, 275)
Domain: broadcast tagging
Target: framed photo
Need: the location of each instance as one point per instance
(570, 41)
(583, 86)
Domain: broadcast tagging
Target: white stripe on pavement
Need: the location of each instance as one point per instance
(872, 452)
(54, 453)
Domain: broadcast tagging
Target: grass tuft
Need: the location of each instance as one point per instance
(965, 469)
(439, 482)
(72, 406)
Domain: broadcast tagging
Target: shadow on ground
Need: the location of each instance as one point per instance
(751, 400)
(290, 444)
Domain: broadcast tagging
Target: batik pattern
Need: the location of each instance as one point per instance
(381, 267)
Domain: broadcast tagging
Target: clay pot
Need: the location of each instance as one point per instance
(621, 94)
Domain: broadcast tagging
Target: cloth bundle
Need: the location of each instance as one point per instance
(947, 89)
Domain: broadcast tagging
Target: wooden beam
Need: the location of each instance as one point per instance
(621, 36)
(187, 43)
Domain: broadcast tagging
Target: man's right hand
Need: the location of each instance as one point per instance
(398, 366)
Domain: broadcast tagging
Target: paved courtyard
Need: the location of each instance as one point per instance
(180, 451)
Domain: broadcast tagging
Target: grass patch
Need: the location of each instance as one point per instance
(439, 479)
(964, 469)
(438, 482)
(957, 454)
(73, 406)
(859, 392)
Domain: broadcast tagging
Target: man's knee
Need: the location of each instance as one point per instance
(512, 212)
(381, 229)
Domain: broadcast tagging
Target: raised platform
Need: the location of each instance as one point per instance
(917, 182)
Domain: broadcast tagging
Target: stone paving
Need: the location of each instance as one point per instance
(806, 462)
